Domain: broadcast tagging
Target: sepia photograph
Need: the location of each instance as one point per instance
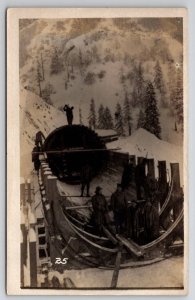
(101, 134)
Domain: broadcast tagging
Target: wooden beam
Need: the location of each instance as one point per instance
(130, 245)
(76, 150)
(116, 269)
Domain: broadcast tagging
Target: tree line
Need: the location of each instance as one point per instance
(146, 95)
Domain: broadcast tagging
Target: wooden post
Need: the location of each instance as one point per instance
(139, 159)
(22, 193)
(29, 191)
(116, 270)
(22, 259)
(162, 181)
(162, 172)
(132, 158)
(24, 236)
(177, 191)
(51, 188)
(151, 171)
(175, 176)
(33, 257)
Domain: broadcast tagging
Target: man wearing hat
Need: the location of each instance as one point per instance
(100, 208)
(119, 206)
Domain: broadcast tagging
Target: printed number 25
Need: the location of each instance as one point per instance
(61, 261)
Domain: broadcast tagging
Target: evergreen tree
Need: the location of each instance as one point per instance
(119, 120)
(160, 84)
(108, 121)
(47, 92)
(139, 84)
(56, 63)
(39, 78)
(134, 97)
(101, 117)
(179, 97)
(152, 123)
(127, 114)
(42, 67)
(92, 115)
(171, 84)
(81, 62)
(163, 97)
(158, 77)
(141, 119)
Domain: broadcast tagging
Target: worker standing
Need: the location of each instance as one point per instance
(100, 209)
(35, 158)
(69, 113)
(39, 139)
(119, 206)
(86, 177)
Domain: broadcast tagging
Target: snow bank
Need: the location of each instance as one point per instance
(143, 143)
(35, 115)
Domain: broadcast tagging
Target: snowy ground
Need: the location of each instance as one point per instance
(165, 274)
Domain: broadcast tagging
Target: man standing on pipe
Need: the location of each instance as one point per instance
(69, 113)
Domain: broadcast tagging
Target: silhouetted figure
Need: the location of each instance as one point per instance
(69, 113)
(35, 158)
(39, 139)
(141, 180)
(100, 209)
(86, 177)
(119, 206)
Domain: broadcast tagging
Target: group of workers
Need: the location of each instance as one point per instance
(131, 209)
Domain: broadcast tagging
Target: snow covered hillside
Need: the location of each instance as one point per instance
(35, 115)
(72, 61)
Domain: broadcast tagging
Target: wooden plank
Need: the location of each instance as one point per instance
(78, 207)
(22, 194)
(110, 235)
(130, 245)
(151, 171)
(162, 172)
(175, 176)
(76, 150)
(116, 269)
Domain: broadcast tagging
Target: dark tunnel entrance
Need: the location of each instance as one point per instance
(71, 148)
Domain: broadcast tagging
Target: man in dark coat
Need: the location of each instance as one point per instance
(100, 209)
(119, 206)
(35, 158)
(86, 176)
(39, 139)
(69, 113)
